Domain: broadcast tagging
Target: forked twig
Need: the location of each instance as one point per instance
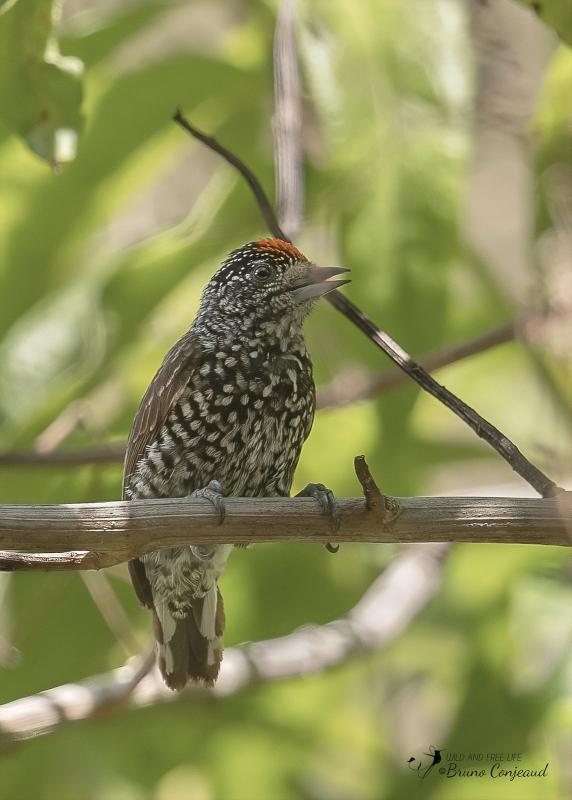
(507, 449)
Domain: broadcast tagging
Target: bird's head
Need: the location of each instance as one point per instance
(268, 281)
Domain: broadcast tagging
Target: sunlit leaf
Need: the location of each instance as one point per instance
(40, 90)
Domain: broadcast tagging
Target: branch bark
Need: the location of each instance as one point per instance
(96, 535)
(44, 712)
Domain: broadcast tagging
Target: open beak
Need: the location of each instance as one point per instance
(316, 283)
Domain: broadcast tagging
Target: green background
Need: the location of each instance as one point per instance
(90, 302)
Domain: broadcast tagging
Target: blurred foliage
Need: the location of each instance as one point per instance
(101, 271)
(557, 14)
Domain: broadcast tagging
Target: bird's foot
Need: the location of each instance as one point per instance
(213, 493)
(326, 499)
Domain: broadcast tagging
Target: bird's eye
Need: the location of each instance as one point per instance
(263, 273)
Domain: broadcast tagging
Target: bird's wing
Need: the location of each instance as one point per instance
(163, 392)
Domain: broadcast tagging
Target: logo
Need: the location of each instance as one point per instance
(424, 768)
(474, 765)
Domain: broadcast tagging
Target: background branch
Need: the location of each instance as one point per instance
(110, 608)
(388, 606)
(351, 388)
(44, 712)
(343, 390)
(112, 453)
(288, 153)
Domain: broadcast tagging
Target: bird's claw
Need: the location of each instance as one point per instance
(202, 552)
(326, 499)
(213, 493)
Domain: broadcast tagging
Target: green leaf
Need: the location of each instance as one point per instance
(40, 90)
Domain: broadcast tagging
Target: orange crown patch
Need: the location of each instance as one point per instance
(280, 246)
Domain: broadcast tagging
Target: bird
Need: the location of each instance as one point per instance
(226, 415)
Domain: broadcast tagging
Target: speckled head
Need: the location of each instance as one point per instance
(268, 279)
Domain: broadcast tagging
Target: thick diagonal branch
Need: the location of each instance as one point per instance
(502, 444)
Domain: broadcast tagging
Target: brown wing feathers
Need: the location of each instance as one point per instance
(140, 583)
(164, 390)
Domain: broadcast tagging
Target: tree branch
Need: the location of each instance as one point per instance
(388, 606)
(96, 535)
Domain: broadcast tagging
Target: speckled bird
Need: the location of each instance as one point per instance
(226, 415)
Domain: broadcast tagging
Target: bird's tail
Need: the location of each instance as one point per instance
(188, 640)
(190, 648)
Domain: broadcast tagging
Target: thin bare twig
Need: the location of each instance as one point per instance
(263, 203)
(484, 430)
(388, 606)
